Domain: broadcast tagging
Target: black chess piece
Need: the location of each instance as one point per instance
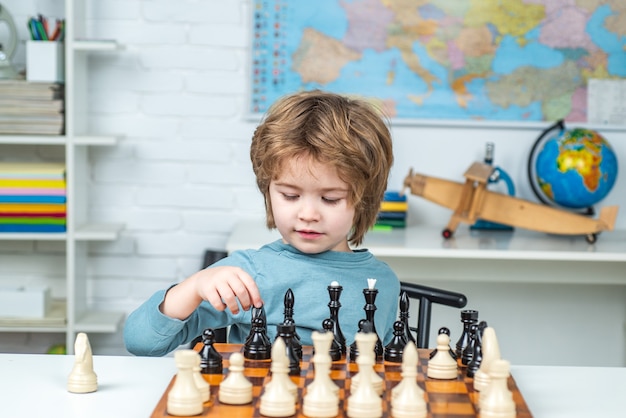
(468, 317)
(354, 349)
(334, 292)
(210, 358)
(404, 317)
(477, 353)
(370, 309)
(395, 348)
(468, 351)
(287, 333)
(443, 330)
(288, 320)
(258, 346)
(335, 348)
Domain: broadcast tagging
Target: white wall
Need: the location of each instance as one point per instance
(181, 177)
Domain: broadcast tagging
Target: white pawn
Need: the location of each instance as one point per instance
(278, 400)
(236, 389)
(498, 399)
(82, 378)
(185, 399)
(203, 385)
(442, 365)
(321, 399)
(490, 352)
(364, 402)
(407, 398)
(367, 351)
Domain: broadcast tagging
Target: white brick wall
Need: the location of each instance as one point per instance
(181, 177)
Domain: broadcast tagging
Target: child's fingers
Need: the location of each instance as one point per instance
(251, 290)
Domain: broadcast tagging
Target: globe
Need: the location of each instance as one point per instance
(572, 168)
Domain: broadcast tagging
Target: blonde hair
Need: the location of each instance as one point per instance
(347, 133)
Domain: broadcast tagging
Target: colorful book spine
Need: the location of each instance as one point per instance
(32, 197)
(393, 211)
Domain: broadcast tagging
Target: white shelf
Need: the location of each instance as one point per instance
(94, 45)
(33, 139)
(427, 242)
(73, 315)
(98, 232)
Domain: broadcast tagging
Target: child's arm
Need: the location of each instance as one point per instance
(221, 286)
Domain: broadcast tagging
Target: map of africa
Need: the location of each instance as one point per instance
(472, 60)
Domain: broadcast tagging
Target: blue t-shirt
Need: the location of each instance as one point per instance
(277, 267)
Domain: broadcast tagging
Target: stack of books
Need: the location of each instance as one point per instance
(393, 210)
(32, 197)
(31, 108)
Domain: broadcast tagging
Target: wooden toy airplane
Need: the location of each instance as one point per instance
(472, 200)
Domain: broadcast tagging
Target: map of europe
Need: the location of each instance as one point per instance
(467, 60)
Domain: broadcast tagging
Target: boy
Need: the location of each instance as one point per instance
(322, 162)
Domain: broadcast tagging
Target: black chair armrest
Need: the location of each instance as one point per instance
(427, 296)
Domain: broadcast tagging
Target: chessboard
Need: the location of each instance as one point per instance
(444, 398)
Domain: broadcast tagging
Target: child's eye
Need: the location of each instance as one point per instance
(331, 201)
(290, 196)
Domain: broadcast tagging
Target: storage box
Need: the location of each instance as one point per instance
(24, 301)
(45, 61)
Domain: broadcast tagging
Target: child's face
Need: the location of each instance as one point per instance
(310, 206)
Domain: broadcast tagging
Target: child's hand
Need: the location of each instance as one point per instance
(223, 286)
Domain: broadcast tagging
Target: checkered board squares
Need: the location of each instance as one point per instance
(445, 398)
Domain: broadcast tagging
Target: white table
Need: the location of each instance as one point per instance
(35, 385)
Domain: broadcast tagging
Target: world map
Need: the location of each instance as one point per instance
(467, 60)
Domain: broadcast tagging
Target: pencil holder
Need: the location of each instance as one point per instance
(45, 61)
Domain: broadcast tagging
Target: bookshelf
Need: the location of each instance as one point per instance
(72, 315)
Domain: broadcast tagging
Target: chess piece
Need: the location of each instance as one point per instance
(366, 342)
(364, 400)
(468, 317)
(477, 353)
(370, 308)
(490, 352)
(321, 399)
(82, 378)
(203, 385)
(443, 330)
(498, 399)
(287, 333)
(278, 400)
(354, 349)
(210, 358)
(288, 320)
(334, 293)
(442, 365)
(258, 345)
(468, 351)
(407, 398)
(184, 399)
(235, 389)
(395, 348)
(335, 348)
(404, 317)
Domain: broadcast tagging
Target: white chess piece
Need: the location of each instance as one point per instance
(407, 398)
(82, 378)
(365, 402)
(490, 352)
(236, 389)
(321, 399)
(498, 399)
(184, 399)
(277, 399)
(203, 385)
(442, 365)
(367, 350)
